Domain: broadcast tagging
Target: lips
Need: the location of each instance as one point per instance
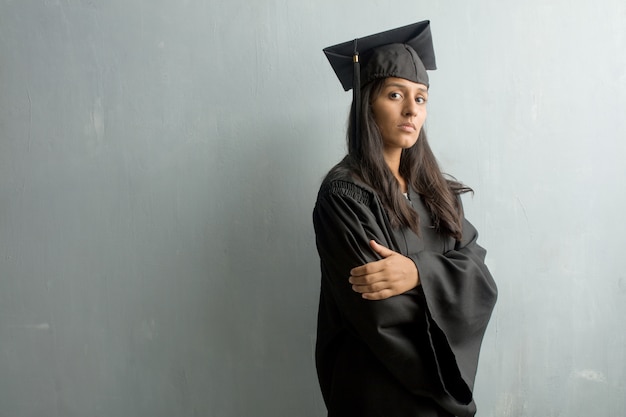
(409, 127)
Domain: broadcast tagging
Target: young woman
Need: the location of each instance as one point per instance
(405, 294)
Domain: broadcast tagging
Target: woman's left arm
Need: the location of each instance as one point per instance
(459, 293)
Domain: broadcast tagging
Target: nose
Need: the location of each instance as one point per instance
(410, 108)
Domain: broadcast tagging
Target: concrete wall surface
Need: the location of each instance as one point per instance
(159, 162)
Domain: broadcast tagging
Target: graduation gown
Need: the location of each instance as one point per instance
(413, 354)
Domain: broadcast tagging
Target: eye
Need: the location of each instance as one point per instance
(420, 100)
(395, 96)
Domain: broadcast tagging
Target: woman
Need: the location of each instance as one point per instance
(405, 294)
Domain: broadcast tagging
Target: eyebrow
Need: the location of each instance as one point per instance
(400, 85)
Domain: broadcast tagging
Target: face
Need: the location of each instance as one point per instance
(400, 111)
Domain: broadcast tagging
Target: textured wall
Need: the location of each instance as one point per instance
(158, 167)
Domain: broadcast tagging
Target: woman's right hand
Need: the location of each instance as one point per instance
(393, 275)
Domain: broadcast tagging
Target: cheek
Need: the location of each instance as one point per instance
(379, 119)
(423, 115)
(382, 118)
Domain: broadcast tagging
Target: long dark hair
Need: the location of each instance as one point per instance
(418, 166)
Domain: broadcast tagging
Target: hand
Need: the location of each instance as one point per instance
(394, 274)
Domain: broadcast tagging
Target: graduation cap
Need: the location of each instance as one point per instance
(405, 52)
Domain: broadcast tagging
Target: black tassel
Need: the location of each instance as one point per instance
(356, 96)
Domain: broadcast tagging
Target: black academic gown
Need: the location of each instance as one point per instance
(414, 354)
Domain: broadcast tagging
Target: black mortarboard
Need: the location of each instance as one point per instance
(405, 52)
(379, 57)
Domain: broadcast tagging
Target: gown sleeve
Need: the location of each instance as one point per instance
(429, 350)
(459, 293)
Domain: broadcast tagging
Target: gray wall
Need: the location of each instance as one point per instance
(159, 162)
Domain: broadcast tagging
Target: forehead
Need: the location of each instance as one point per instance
(404, 83)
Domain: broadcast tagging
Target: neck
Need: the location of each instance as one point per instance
(393, 162)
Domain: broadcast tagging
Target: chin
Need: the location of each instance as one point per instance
(410, 144)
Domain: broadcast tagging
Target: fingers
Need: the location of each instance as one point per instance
(370, 288)
(376, 291)
(379, 291)
(380, 295)
(368, 269)
(380, 249)
(387, 277)
(375, 266)
(368, 279)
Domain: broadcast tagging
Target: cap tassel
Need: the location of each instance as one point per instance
(356, 95)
